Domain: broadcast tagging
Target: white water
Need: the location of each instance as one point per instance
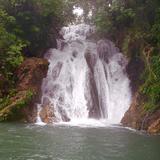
(75, 84)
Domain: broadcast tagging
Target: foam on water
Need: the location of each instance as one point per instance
(86, 123)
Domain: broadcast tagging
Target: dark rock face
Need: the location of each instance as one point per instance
(105, 49)
(134, 70)
(2, 88)
(136, 117)
(94, 108)
(4, 85)
(91, 60)
(64, 116)
(56, 71)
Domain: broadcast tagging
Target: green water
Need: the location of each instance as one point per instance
(30, 142)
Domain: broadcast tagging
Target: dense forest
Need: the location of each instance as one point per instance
(29, 27)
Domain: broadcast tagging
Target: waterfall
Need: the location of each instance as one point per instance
(86, 79)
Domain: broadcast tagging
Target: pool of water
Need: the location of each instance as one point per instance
(31, 142)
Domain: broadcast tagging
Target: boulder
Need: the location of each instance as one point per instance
(154, 127)
(47, 114)
(134, 116)
(138, 118)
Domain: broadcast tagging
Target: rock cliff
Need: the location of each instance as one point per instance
(138, 118)
(22, 105)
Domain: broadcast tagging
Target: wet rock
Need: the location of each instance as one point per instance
(134, 70)
(106, 49)
(45, 101)
(65, 118)
(56, 70)
(138, 118)
(134, 116)
(64, 115)
(75, 54)
(91, 60)
(154, 127)
(93, 106)
(47, 114)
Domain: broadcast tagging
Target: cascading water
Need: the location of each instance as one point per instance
(86, 79)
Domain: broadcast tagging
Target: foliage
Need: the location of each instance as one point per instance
(4, 102)
(37, 21)
(113, 18)
(10, 107)
(27, 28)
(155, 31)
(151, 87)
(10, 46)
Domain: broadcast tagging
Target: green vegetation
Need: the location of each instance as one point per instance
(11, 107)
(27, 28)
(114, 19)
(10, 46)
(136, 23)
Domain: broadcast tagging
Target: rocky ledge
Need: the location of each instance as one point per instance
(138, 118)
(22, 105)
